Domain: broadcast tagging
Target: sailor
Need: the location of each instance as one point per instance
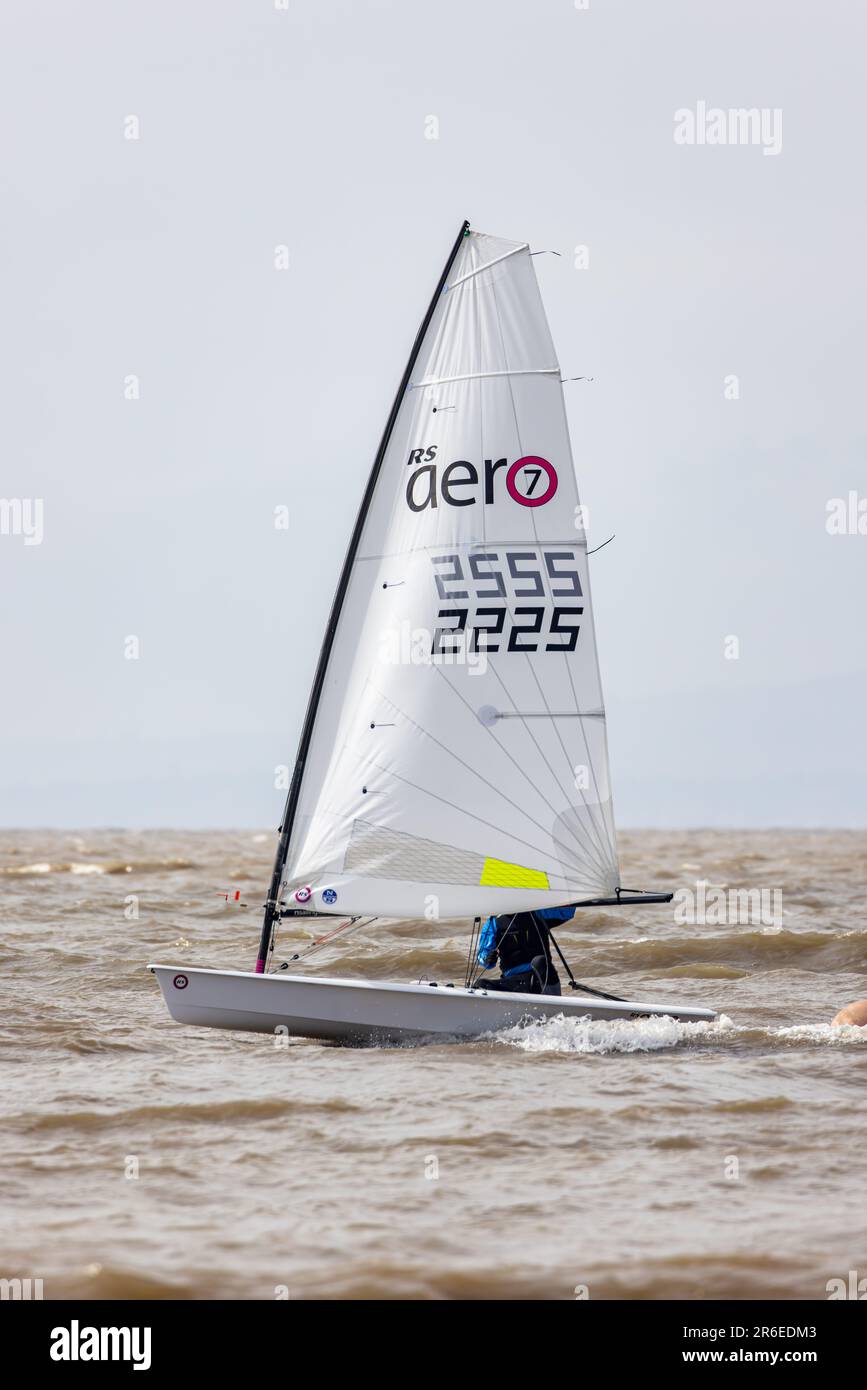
(522, 944)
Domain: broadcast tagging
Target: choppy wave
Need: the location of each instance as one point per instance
(94, 1281)
(141, 866)
(833, 1035)
(734, 949)
(235, 1111)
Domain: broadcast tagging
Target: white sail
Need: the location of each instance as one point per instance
(458, 762)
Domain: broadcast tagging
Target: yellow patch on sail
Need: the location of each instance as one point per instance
(498, 874)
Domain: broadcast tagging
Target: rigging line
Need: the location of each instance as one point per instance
(583, 845)
(458, 759)
(343, 929)
(474, 935)
(603, 545)
(576, 984)
(604, 850)
(462, 810)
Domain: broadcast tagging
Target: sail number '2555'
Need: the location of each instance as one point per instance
(508, 600)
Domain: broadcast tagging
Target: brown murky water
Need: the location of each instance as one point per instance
(641, 1159)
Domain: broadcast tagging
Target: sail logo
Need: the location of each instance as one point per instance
(530, 481)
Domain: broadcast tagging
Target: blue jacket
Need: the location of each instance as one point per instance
(493, 929)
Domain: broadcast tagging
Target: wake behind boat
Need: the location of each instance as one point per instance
(453, 760)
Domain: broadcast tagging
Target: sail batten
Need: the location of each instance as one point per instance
(481, 376)
(477, 270)
(457, 762)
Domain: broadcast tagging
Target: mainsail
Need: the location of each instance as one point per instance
(454, 760)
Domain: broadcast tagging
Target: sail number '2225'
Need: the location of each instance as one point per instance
(512, 576)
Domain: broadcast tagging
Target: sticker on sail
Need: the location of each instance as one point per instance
(524, 481)
(303, 895)
(180, 982)
(329, 896)
(498, 874)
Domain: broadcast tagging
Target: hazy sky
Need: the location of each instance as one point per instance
(307, 127)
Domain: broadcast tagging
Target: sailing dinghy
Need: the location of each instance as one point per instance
(453, 760)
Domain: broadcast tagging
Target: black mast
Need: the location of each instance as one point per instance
(272, 906)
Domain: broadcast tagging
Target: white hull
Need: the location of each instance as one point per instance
(361, 1011)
